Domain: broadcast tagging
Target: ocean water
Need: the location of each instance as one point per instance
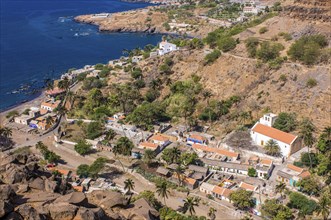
(40, 40)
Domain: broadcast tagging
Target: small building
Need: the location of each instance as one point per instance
(101, 15)
(187, 181)
(54, 92)
(196, 139)
(137, 59)
(251, 10)
(49, 106)
(228, 167)
(264, 168)
(199, 169)
(163, 171)
(248, 187)
(94, 73)
(263, 131)
(231, 156)
(206, 188)
(34, 112)
(291, 174)
(166, 47)
(160, 140)
(23, 119)
(222, 193)
(151, 146)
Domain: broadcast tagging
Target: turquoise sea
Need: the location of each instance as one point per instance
(40, 40)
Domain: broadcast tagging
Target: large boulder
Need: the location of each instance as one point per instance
(62, 211)
(106, 199)
(13, 216)
(38, 184)
(6, 192)
(50, 185)
(75, 198)
(85, 214)
(5, 208)
(30, 213)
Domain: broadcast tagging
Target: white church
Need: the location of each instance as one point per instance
(263, 131)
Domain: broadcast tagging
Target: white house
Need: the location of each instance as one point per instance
(166, 47)
(222, 193)
(206, 188)
(262, 132)
(160, 140)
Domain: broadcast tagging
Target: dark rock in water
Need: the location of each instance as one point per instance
(28, 212)
(5, 208)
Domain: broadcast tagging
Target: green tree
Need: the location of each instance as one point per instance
(251, 46)
(286, 122)
(271, 209)
(280, 188)
(272, 148)
(82, 147)
(83, 170)
(94, 129)
(226, 44)
(211, 57)
(269, 51)
(190, 203)
(324, 206)
(302, 203)
(211, 213)
(123, 146)
(124, 96)
(110, 135)
(309, 185)
(128, 185)
(96, 167)
(162, 190)
(242, 199)
(251, 172)
(150, 197)
(307, 128)
(188, 158)
(52, 157)
(149, 156)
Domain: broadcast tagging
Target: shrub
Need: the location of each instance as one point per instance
(211, 57)
(82, 147)
(251, 172)
(251, 45)
(263, 30)
(269, 51)
(227, 44)
(283, 78)
(311, 82)
(307, 49)
(12, 114)
(166, 26)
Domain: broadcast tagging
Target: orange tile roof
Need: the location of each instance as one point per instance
(294, 168)
(148, 145)
(304, 174)
(78, 188)
(222, 191)
(51, 104)
(158, 137)
(54, 91)
(215, 150)
(63, 172)
(274, 133)
(197, 137)
(43, 111)
(186, 179)
(247, 186)
(266, 162)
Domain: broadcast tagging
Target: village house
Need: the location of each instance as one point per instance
(227, 155)
(23, 119)
(160, 140)
(163, 171)
(228, 167)
(199, 169)
(264, 168)
(248, 187)
(54, 92)
(222, 193)
(166, 47)
(263, 131)
(190, 183)
(196, 139)
(136, 59)
(151, 146)
(291, 174)
(49, 106)
(206, 188)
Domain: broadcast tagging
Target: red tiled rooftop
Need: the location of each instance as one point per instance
(247, 186)
(159, 137)
(148, 145)
(274, 133)
(294, 168)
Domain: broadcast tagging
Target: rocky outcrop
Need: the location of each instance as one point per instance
(34, 194)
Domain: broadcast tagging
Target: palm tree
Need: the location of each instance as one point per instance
(211, 213)
(190, 203)
(6, 132)
(245, 116)
(64, 84)
(149, 155)
(128, 185)
(280, 188)
(175, 154)
(324, 206)
(162, 190)
(49, 84)
(50, 120)
(179, 172)
(272, 148)
(306, 133)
